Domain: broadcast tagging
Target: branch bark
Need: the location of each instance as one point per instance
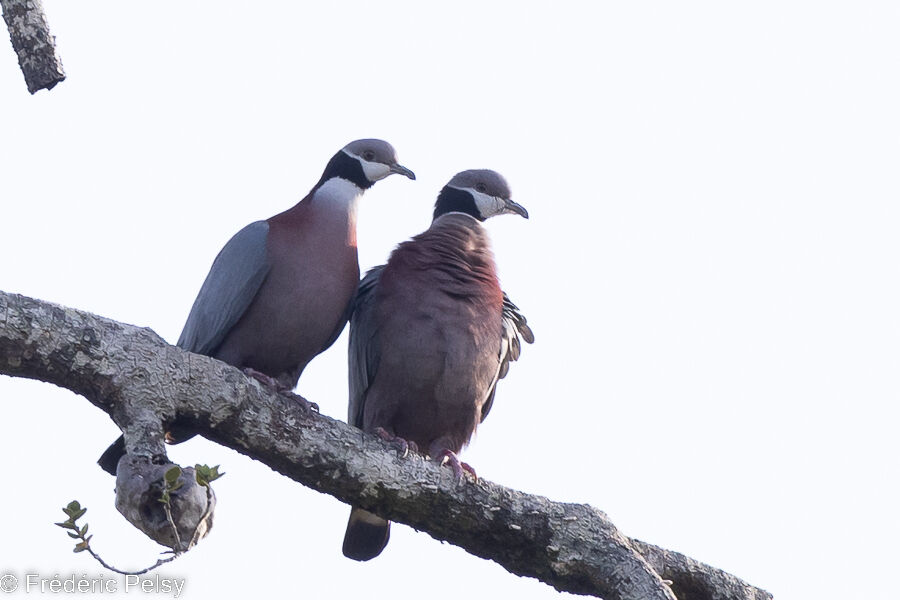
(142, 382)
(33, 43)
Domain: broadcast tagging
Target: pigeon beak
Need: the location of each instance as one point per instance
(401, 170)
(515, 208)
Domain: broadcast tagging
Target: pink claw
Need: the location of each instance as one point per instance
(269, 382)
(403, 446)
(273, 385)
(449, 457)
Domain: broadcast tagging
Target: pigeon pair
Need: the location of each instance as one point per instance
(431, 331)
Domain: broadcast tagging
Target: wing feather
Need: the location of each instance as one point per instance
(233, 281)
(514, 329)
(363, 356)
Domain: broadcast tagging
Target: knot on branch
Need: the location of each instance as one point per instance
(164, 501)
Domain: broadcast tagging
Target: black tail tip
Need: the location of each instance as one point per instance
(364, 541)
(109, 461)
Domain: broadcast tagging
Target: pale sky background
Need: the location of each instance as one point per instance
(710, 267)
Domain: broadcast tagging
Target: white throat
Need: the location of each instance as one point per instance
(338, 195)
(334, 209)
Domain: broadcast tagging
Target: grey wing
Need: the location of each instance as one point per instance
(363, 353)
(233, 281)
(515, 329)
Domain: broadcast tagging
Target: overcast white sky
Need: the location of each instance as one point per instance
(710, 267)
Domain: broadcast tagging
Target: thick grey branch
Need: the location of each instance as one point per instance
(132, 373)
(693, 580)
(33, 43)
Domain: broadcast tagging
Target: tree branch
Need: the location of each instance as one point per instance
(133, 375)
(33, 43)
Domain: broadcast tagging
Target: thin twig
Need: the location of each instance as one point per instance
(196, 537)
(171, 521)
(159, 563)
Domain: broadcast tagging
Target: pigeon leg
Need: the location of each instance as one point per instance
(273, 385)
(449, 457)
(268, 382)
(403, 446)
(305, 404)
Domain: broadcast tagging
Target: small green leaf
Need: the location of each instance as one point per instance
(84, 529)
(206, 475)
(74, 536)
(73, 506)
(173, 474)
(79, 514)
(66, 525)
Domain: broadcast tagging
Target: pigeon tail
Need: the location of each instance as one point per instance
(366, 535)
(109, 461)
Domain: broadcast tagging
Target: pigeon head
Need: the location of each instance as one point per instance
(480, 193)
(364, 162)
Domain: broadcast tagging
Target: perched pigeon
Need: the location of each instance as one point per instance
(430, 335)
(279, 292)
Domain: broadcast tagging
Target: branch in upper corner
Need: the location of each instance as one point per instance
(33, 43)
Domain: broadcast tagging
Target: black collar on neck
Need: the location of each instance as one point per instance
(346, 167)
(455, 200)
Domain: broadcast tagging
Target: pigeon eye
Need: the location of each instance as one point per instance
(481, 188)
(369, 155)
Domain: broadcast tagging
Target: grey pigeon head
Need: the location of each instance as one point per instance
(481, 193)
(377, 158)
